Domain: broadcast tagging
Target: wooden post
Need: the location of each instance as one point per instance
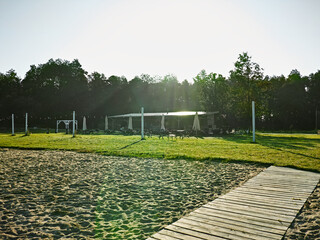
(26, 130)
(253, 124)
(142, 123)
(12, 124)
(73, 123)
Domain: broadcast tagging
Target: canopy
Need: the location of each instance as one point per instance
(84, 124)
(106, 123)
(162, 123)
(196, 123)
(160, 114)
(130, 123)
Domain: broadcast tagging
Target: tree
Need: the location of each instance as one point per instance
(313, 91)
(98, 95)
(57, 84)
(10, 93)
(212, 91)
(117, 95)
(244, 88)
(170, 87)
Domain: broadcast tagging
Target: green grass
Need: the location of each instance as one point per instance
(294, 150)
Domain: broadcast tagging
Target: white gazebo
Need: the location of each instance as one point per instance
(66, 123)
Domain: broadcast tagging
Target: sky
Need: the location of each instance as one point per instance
(158, 37)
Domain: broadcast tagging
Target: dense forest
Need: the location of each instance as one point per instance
(54, 89)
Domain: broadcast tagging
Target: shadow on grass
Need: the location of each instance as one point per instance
(288, 151)
(294, 143)
(131, 144)
(285, 144)
(289, 144)
(24, 135)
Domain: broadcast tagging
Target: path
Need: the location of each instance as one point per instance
(262, 208)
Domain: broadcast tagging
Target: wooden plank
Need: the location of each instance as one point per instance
(213, 230)
(167, 234)
(285, 185)
(267, 194)
(233, 227)
(277, 190)
(306, 174)
(244, 224)
(191, 233)
(269, 199)
(296, 206)
(249, 211)
(160, 236)
(283, 178)
(284, 175)
(279, 179)
(263, 194)
(281, 184)
(241, 217)
(257, 209)
(273, 193)
(293, 207)
(291, 170)
(262, 208)
(268, 173)
(151, 238)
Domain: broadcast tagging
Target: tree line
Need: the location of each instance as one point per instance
(54, 89)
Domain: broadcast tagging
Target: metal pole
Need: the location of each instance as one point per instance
(253, 124)
(73, 123)
(26, 131)
(316, 118)
(12, 124)
(142, 123)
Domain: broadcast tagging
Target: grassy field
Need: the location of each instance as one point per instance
(294, 150)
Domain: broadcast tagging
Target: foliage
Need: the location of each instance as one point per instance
(244, 88)
(299, 151)
(281, 103)
(54, 89)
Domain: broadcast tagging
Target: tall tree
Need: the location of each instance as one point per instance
(57, 84)
(212, 91)
(244, 86)
(313, 91)
(10, 93)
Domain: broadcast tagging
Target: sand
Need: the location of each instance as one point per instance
(48, 194)
(307, 223)
(60, 194)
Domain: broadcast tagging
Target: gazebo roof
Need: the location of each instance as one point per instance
(159, 114)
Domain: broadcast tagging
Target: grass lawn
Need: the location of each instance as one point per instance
(294, 150)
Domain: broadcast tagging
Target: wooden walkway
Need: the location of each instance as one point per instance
(262, 208)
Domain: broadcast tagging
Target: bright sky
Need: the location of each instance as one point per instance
(158, 37)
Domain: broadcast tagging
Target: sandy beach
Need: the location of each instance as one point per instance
(48, 195)
(59, 194)
(307, 223)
